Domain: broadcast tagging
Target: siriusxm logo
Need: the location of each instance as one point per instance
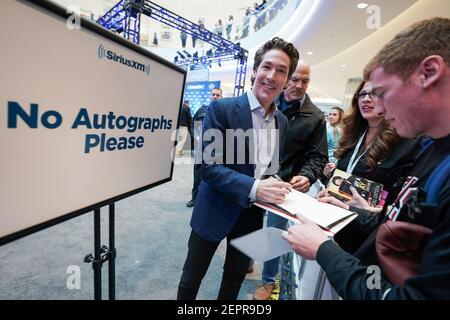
(110, 55)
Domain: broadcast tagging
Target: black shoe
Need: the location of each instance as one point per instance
(190, 203)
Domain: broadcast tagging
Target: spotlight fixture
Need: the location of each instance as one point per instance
(187, 54)
(175, 60)
(219, 63)
(181, 55)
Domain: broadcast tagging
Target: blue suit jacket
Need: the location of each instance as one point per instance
(225, 187)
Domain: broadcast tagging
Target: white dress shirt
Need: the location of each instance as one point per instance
(265, 141)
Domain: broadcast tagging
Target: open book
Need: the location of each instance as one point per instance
(329, 217)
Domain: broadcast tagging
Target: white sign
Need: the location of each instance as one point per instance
(84, 118)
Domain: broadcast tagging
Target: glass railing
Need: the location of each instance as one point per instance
(254, 20)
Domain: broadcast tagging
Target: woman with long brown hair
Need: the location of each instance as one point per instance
(368, 143)
(371, 149)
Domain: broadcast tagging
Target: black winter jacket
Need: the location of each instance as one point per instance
(305, 149)
(349, 274)
(185, 116)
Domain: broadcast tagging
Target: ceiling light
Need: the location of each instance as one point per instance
(362, 5)
(343, 65)
(310, 53)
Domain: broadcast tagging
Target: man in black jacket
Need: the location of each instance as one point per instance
(305, 150)
(304, 155)
(411, 80)
(183, 130)
(216, 94)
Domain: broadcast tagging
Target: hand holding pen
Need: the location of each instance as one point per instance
(272, 190)
(279, 179)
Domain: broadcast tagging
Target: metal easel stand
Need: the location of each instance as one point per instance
(103, 254)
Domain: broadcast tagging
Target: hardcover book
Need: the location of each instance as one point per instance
(341, 181)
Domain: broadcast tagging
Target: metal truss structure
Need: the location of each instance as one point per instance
(125, 17)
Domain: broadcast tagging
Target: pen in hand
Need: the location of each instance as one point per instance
(279, 179)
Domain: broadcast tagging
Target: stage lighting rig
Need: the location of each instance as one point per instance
(187, 54)
(125, 18)
(182, 56)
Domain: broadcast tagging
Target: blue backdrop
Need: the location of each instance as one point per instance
(199, 93)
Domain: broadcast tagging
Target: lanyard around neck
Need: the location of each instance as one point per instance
(353, 162)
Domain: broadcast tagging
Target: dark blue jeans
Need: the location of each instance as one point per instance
(196, 184)
(270, 268)
(201, 251)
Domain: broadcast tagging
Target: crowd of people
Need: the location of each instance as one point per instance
(395, 132)
(234, 30)
(242, 27)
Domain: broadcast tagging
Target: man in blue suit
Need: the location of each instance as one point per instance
(239, 152)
